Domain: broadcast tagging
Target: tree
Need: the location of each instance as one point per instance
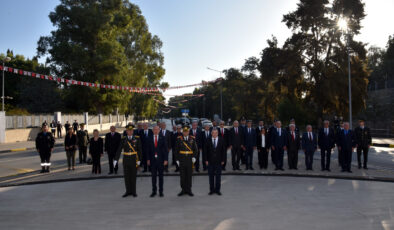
(106, 42)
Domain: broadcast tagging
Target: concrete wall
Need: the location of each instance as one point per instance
(29, 134)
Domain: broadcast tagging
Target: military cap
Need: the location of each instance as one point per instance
(185, 128)
(129, 127)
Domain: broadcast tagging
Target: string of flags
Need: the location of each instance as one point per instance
(97, 85)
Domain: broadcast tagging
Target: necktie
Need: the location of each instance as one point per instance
(222, 133)
(164, 133)
(155, 141)
(146, 133)
(310, 136)
(236, 131)
(112, 134)
(214, 142)
(292, 135)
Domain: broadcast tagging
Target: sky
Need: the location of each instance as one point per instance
(196, 34)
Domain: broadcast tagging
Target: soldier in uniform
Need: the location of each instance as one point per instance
(177, 133)
(82, 141)
(44, 146)
(185, 153)
(131, 145)
(363, 142)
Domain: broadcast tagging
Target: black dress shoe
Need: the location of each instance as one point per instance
(181, 193)
(251, 168)
(281, 169)
(322, 170)
(349, 171)
(295, 168)
(239, 169)
(166, 170)
(365, 167)
(125, 195)
(161, 194)
(328, 170)
(234, 169)
(276, 169)
(110, 173)
(197, 170)
(153, 194)
(176, 170)
(219, 193)
(343, 170)
(134, 195)
(210, 193)
(190, 194)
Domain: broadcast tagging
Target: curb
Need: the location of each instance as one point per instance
(359, 178)
(61, 144)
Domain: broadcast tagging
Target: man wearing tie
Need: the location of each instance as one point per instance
(243, 128)
(347, 142)
(278, 144)
(262, 148)
(177, 133)
(196, 133)
(236, 141)
(145, 134)
(326, 143)
(167, 138)
(363, 141)
(157, 160)
(250, 145)
(292, 147)
(337, 135)
(309, 145)
(216, 156)
(223, 133)
(205, 135)
(112, 142)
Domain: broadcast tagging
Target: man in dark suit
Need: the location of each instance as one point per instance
(145, 135)
(262, 148)
(157, 159)
(205, 135)
(347, 142)
(269, 135)
(236, 144)
(309, 145)
(326, 143)
(293, 145)
(196, 132)
(223, 133)
(112, 142)
(167, 137)
(260, 127)
(250, 145)
(175, 135)
(339, 130)
(243, 127)
(278, 144)
(216, 156)
(363, 141)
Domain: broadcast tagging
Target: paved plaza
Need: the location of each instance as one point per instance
(252, 202)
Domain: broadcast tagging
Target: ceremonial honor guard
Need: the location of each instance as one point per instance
(196, 133)
(44, 146)
(363, 141)
(185, 153)
(131, 145)
(157, 159)
(83, 141)
(177, 133)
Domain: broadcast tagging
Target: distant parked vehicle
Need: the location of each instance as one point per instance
(182, 121)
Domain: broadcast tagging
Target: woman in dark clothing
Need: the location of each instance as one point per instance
(96, 151)
(70, 143)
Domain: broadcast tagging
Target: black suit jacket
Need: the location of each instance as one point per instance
(167, 138)
(326, 141)
(161, 149)
(197, 137)
(293, 145)
(112, 143)
(204, 138)
(224, 136)
(278, 141)
(347, 142)
(236, 140)
(215, 155)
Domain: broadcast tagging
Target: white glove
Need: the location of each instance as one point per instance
(138, 163)
(194, 160)
(115, 163)
(177, 162)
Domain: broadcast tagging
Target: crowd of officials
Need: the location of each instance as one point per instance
(192, 147)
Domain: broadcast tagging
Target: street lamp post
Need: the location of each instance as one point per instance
(6, 59)
(343, 25)
(221, 92)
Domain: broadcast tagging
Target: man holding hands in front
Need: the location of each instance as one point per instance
(157, 159)
(215, 148)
